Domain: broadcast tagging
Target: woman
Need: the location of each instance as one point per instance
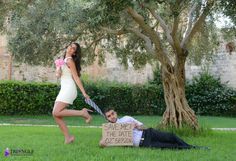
(70, 76)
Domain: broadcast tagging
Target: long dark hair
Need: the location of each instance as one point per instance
(77, 58)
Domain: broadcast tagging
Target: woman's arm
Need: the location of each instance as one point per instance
(74, 73)
(58, 72)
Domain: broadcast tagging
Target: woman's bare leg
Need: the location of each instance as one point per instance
(83, 113)
(58, 106)
(62, 112)
(64, 129)
(59, 112)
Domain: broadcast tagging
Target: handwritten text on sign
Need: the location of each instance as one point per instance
(116, 134)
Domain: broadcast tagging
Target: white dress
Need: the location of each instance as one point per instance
(68, 91)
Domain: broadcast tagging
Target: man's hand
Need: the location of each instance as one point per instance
(137, 126)
(102, 144)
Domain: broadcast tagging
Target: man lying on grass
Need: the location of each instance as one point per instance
(147, 137)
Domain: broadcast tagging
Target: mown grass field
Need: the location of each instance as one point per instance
(47, 144)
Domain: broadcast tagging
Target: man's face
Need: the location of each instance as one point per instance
(111, 116)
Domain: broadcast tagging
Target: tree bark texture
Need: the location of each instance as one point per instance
(178, 112)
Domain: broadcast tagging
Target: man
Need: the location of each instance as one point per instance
(147, 137)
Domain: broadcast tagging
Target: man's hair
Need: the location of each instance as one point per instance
(108, 109)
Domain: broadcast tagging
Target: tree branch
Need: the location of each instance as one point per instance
(115, 32)
(148, 42)
(187, 38)
(175, 27)
(190, 19)
(149, 32)
(176, 9)
(163, 26)
(174, 35)
(96, 41)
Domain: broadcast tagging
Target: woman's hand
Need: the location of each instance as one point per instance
(86, 96)
(58, 72)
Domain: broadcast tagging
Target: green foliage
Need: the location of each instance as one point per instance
(228, 9)
(113, 15)
(133, 52)
(7, 8)
(229, 33)
(128, 99)
(43, 29)
(38, 98)
(40, 29)
(26, 98)
(204, 44)
(207, 96)
(156, 76)
(106, 12)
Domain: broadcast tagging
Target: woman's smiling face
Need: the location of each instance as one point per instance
(71, 49)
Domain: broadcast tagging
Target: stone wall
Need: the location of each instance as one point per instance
(33, 73)
(223, 67)
(5, 60)
(112, 70)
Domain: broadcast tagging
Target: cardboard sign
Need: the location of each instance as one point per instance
(116, 134)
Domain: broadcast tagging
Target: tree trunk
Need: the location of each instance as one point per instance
(178, 112)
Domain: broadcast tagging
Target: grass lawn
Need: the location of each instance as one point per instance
(149, 121)
(47, 144)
